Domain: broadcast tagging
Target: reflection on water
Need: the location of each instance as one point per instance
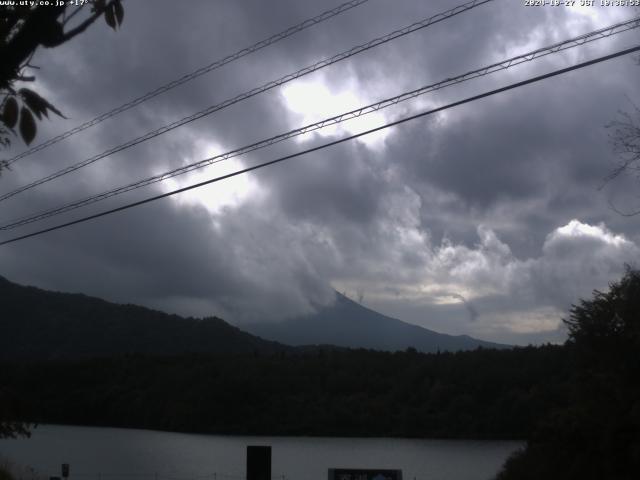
(122, 454)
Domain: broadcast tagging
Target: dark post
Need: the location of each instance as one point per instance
(65, 471)
(258, 462)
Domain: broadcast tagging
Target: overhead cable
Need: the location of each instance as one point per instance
(374, 107)
(329, 144)
(255, 91)
(193, 75)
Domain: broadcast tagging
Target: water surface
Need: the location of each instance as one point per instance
(125, 454)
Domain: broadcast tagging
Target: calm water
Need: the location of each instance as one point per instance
(119, 454)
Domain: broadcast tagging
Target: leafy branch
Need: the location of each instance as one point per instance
(22, 30)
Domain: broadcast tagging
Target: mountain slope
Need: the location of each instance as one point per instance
(349, 324)
(39, 324)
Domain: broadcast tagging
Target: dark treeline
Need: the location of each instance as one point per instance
(596, 435)
(478, 394)
(578, 405)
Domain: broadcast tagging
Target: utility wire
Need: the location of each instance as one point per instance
(195, 74)
(251, 93)
(502, 65)
(329, 144)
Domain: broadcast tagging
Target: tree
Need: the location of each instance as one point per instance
(625, 140)
(9, 412)
(24, 28)
(14, 429)
(597, 435)
(608, 326)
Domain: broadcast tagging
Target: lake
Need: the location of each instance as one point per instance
(125, 454)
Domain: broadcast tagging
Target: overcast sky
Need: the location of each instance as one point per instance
(485, 219)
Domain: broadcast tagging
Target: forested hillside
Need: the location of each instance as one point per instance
(479, 394)
(39, 324)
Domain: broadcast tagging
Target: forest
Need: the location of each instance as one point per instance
(479, 394)
(577, 405)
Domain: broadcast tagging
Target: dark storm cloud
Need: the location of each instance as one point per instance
(165, 252)
(478, 200)
(334, 186)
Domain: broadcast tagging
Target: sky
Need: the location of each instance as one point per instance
(489, 219)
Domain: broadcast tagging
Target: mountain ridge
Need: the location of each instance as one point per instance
(39, 324)
(343, 324)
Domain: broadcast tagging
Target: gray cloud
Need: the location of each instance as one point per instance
(473, 312)
(496, 201)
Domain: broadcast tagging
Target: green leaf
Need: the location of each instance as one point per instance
(10, 114)
(110, 16)
(27, 125)
(119, 11)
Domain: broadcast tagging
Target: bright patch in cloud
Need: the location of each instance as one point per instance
(576, 229)
(544, 319)
(216, 196)
(314, 101)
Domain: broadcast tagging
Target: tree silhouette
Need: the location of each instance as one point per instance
(9, 411)
(608, 325)
(625, 140)
(24, 28)
(597, 435)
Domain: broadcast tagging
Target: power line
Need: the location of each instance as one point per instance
(329, 144)
(251, 93)
(502, 65)
(195, 74)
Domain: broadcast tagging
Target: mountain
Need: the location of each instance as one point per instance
(349, 324)
(37, 324)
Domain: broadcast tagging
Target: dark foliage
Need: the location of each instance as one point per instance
(37, 324)
(597, 436)
(23, 29)
(479, 394)
(14, 429)
(624, 136)
(10, 410)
